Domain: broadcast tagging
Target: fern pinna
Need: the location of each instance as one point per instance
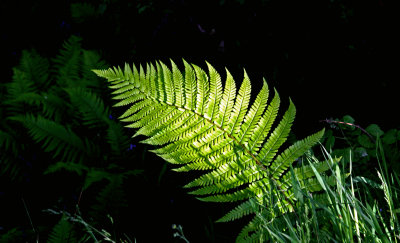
(198, 125)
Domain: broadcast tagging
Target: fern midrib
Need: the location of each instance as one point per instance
(261, 166)
(214, 123)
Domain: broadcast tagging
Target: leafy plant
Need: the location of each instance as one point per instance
(345, 136)
(57, 117)
(348, 216)
(63, 232)
(198, 126)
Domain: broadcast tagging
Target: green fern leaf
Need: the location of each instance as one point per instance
(117, 139)
(287, 157)
(245, 208)
(72, 167)
(67, 64)
(21, 84)
(197, 125)
(54, 105)
(91, 107)
(91, 60)
(62, 232)
(55, 137)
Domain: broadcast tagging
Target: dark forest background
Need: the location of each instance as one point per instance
(331, 57)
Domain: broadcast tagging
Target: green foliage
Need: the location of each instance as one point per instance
(55, 137)
(12, 235)
(81, 12)
(352, 214)
(63, 232)
(53, 100)
(352, 142)
(56, 117)
(199, 126)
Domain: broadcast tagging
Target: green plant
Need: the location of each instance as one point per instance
(199, 126)
(346, 215)
(57, 121)
(62, 232)
(344, 136)
(65, 230)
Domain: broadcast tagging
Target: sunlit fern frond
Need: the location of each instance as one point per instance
(199, 125)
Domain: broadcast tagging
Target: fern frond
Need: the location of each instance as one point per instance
(91, 60)
(277, 137)
(54, 137)
(68, 62)
(117, 138)
(72, 167)
(90, 106)
(247, 231)
(9, 167)
(197, 125)
(36, 68)
(54, 105)
(20, 85)
(111, 199)
(287, 157)
(245, 208)
(8, 141)
(62, 232)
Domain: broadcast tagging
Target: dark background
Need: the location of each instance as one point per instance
(331, 57)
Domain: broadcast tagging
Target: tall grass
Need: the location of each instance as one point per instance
(348, 211)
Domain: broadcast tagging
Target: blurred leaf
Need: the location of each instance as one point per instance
(12, 235)
(72, 167)
(362, 152)
(348, 119)
(330, 140)
(365, 141)
(390, 136)
(63, 231)
(95, 175)
(374, 130)
(82, 11)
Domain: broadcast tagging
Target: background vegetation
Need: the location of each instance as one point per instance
(331, 57)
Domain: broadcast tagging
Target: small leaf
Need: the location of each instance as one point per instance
(390, 136)
(374, 130)
(365, 141)
(348, 119)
